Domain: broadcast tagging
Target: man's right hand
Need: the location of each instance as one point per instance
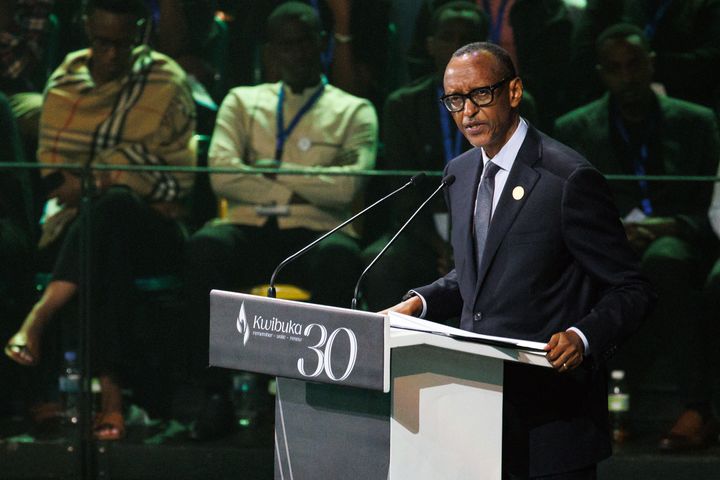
(638, 236)
(412, 306)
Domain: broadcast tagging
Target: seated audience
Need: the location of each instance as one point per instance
(631, 130)
(299, 122)
(536, 33)
(16, 248)
(188, 32)
(114, 104)
(24, 66)
(685, 36)
(23, 27)
(360, 45)
(697, 427)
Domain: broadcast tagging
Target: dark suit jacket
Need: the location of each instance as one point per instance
(555, 258)
(685, 141)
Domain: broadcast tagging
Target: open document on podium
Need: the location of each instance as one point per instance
(406, 322)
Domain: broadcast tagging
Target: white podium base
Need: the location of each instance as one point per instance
(446, 415)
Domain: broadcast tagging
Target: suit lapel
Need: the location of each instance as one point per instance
(521, 175)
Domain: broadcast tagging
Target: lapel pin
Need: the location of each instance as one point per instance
(518, 192)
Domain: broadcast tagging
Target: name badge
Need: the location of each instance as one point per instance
(272, 210)
(304, 144)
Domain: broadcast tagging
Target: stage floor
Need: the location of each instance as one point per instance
(164, 451)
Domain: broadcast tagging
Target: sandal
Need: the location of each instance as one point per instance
(18, 351)
(109, 426)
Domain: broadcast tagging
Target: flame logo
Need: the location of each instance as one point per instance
(242, 325)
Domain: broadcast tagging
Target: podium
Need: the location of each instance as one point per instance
(357, 398)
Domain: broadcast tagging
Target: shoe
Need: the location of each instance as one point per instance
(217, 420)
(109, 426)
(690, 432)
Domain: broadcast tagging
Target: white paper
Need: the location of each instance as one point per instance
(398, 320)
(635, 216)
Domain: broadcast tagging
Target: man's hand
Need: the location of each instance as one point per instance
(641, 234)
(638, 236)
(565, 351)
(412, 306)
(661, 226)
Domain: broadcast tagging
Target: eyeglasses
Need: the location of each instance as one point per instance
(480, 97)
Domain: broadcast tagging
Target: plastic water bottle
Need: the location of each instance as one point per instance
(618, 405)
(244, 398)
(69, 386)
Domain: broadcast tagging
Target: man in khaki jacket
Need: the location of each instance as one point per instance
(299, 122)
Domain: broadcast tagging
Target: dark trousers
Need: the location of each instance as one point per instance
(703, 369)
(677, 269)
(128, 240)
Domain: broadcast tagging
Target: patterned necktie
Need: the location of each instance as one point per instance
(483, 209)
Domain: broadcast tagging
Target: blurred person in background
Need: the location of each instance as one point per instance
(632, 130)
(302, 121)
(116, 103)
(536, 33)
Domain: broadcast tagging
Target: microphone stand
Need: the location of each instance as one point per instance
(271, 289)
(446, 181)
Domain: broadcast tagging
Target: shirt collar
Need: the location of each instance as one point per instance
(304, 95)
(506, 156)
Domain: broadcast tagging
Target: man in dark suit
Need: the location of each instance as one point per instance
(431, 140)
(540, 254)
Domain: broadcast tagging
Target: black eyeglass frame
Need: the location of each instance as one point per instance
(469, 95)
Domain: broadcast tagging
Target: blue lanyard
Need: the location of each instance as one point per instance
(451, 151)
(154, 10)
(496, 24)
(639, 162)
(651, 26)
(282, 132)
(326, 57)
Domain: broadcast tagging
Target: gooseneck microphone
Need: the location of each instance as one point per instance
(447, 181)
(415, 180)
